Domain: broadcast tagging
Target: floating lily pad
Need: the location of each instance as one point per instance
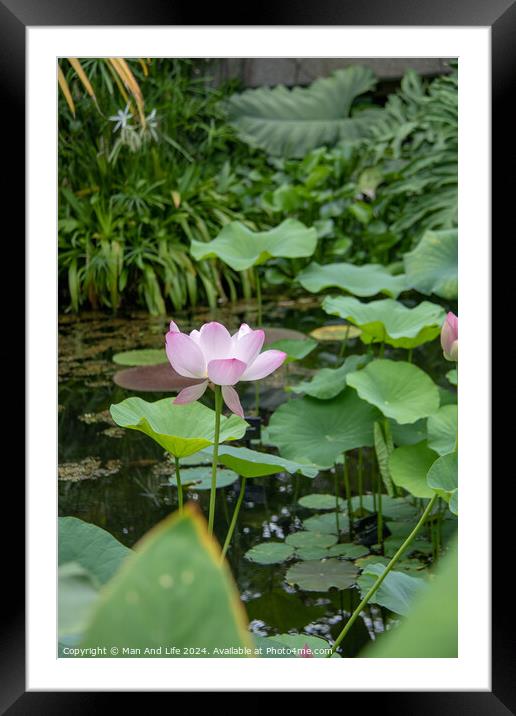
(443, 477)
(240, 248)
(180, 429)
(397, 592)
(94, 549)
(366, 280)
(295, 349)
(152, 379)
(251, 463)
(393, 508)
(409, 465)
(329, 382)
(389, 321)
(348, 550)
(326, 523)
(340, 332)
(199, 478)
(401, 390)
(320, 502)
(269, 553)
(442, 429)
(306, 553)
(310, 539)
(432, 267)
(322, 575)
(145, 356)
(319, 431)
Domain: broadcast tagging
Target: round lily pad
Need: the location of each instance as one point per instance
(311, 553)
(153, 379)
(326, 523)
(322, 575)
(269, 553)
(401, 390)
(310, 539)
(348, 550)
(146, 356)
(199, 478)
(409, 465)
(320, 502)
(340, 332)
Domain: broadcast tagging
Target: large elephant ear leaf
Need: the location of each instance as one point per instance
(292, 122)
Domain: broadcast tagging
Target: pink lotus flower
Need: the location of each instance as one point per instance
(213, 355)
(450, 337)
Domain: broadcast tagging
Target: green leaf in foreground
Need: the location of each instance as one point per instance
(329, 382)
(182, 430)
(442, 429)
(319, 431)
(432, 267)
(322, 575)
(77, 594)
(252, 463)
(366, 280)
(389, 321)
(401, 390)
(91, 547)
(397, 591)
(269, 553)
(172, 591)
(145, 356)
(240, 248)
(409, 465)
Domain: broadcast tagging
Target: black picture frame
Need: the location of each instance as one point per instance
(500, 16)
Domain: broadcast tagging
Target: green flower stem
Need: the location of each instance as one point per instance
(361, 478)
(179, 487)
(380, 514)
(344, 344)
(382, 576)
(409, 356)
(258, 298)
(337, 524)
(213, 492)
(348, 493)
(234, 519)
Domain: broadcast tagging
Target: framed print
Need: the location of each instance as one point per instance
(248, 248)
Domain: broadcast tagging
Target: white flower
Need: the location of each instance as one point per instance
(122, 119)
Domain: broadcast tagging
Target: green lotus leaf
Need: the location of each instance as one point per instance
(389, 321)
(78, 592)
(401, 390)
(432, 267)
(409, 465)
(318, 431)
(409, 433)
(199, 478)
(320, 502)
(182, 430)
(327, 523)
(292, 122)
(443, 477)
(348, 550)
(397, 592)
(310, 539)
(335, 332)
(306, 553)
(366, 280)
(145, 356)
(393, 508)
(269, 553)
(240, 248)
(454, 502)
(251, 463)
(442, 429)
(174, 575)
(452, 376)
(322, 575)
(91, 547)
(329, 382)
(295, 350)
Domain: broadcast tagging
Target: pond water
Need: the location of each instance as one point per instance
(117, 478)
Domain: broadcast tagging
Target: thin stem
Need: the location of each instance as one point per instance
(337, 502)
(382, 576)
(344, 344)
(348, 493)
(361, 478)
(179, 487)
(233, 519)
(409, 357)
(258, 297)
(213, 492)
(380, 515)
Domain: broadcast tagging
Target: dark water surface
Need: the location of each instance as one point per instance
(116, 478)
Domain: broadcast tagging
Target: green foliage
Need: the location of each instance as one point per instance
(366, 280)
(409, 465)
(397, 591)
(269, 553)
(322, 575)
(329, 382)
(432, 267)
